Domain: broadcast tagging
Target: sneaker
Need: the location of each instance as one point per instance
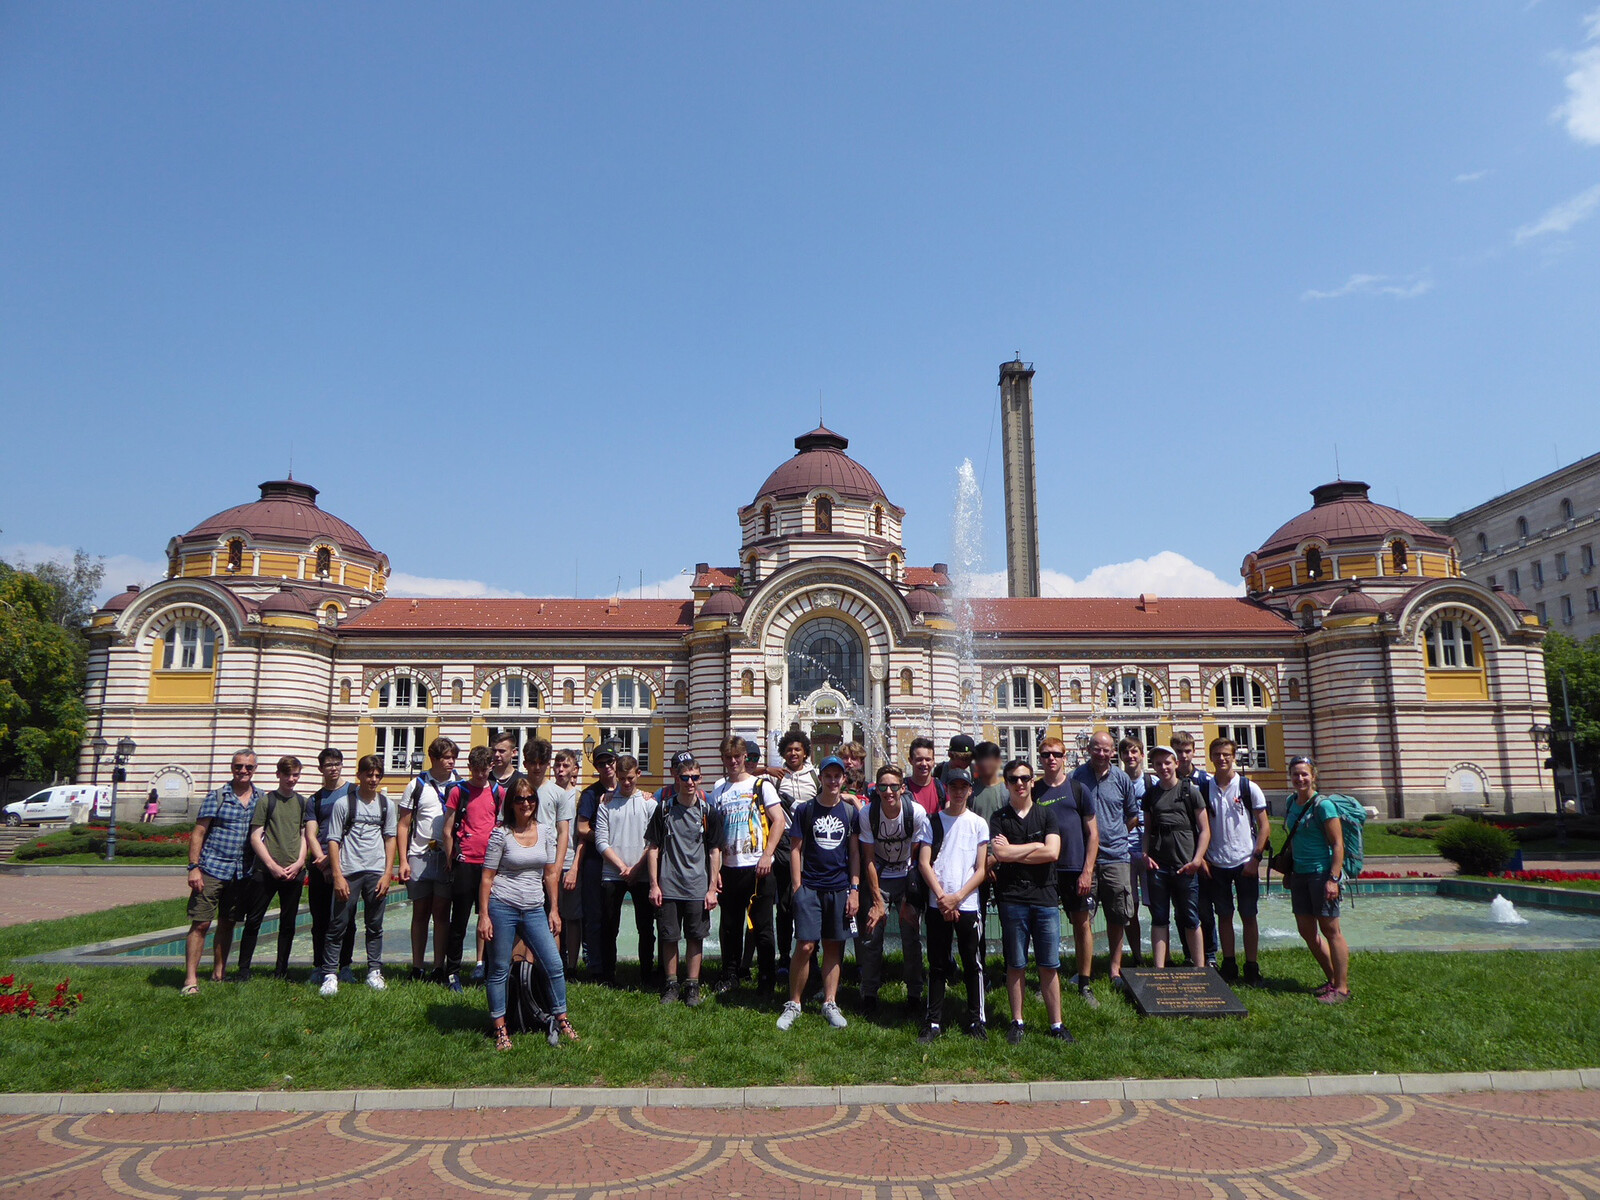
(930, 1033)
(669, 994)
(347, 975)
(1060, 1033)
(330, 986)
(453, 982)
(1333, 997)
(691, 994)
(1211, 961)
(1014, 1033)
(786, 1018)
(1323, 990)
(869, 1006)
(477, 973)
(1252, 972)
(317, 976)
(1088, 996)
(416, 975)
(977, 1031)
(375, 980)
(832, 1015)
(242, 975)
(1229, 969)
(725, 985)
(1118, 984)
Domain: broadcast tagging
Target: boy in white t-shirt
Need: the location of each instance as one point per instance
(1239, 833)
(753, 825)
(953, 874)
(423, 867)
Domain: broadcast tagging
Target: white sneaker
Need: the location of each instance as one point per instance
(330, 986)
(832, 1015)
(477, 973)
(375, 980)
(791, 1010)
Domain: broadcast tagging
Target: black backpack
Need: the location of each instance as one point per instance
(917, 891)
(529, 999)
(350, 799)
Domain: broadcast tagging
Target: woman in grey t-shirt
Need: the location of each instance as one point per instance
(521, 883)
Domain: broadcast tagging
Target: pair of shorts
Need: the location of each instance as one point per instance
(1308, 895)
(1113, 891)
(1036, 923)
(420, 890)
(220, 899)
(1225, 882)
(430, 866)
(1074, 904)
(821, 916)
(675, 918)
(1169, 891)
(570, 903)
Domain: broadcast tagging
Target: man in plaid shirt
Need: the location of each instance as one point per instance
(219, 869)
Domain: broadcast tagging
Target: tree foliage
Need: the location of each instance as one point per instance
(43, 653)
(1581, 662)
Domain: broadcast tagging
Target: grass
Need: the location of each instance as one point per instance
(1376, 841)
(1412, 1012)
(1575, 885)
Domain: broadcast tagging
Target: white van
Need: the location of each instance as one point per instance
(57, 804)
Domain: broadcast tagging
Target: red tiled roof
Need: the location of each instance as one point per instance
(715, 577)
(501, 616)
(1123, 617)
(926, 577)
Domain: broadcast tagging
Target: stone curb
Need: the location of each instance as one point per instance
(42, 1103)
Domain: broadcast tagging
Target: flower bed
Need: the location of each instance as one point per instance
(19, 1001)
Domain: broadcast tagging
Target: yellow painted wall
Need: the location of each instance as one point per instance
(1280, 576)
(182, 687)
(290, 622)
(1434, 566)
(1363, 566)
(1458, 685)
(279, 564)
(366, 738)
(196, 566)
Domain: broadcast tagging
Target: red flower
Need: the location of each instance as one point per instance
(7, 981)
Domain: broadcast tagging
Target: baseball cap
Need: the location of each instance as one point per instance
(962, 744)
(833, 761)
(958, 775)
(752, 751)
(682, 759)
(1157, 751)
(602, 756)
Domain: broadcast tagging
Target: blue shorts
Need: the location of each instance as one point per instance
(1038, 923)
(820, 916)
(1169, 890)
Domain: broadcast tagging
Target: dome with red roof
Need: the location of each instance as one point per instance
(723, 604)
(1353, 604)
(1342, 512)
(921, 600)
(821, 462)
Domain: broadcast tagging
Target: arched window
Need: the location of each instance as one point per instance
(680, 694)
(766, 520)
(1483, 543)
(1400, 557)
(753, 569)
(1450, 645)
(824, 517)
(1021, 706)
(235, 554)
(1020, 693)
(568, 693)
(401, 736)
(825, 652)
(1522, 528)
(455, 692)
(1566, 510)
(1294, 689)
(189, 645)
(1130, 692)
(877, 520)
(1239, 691)
(1185, 695)
(625, 712)
(908, 684)
(1077, 692)
(626, 694)
(330, 614)
(403, 692)
(513, 694)
(344, 692)
(895, 572)
(1313, 563)
(324, 562)
(747, 683)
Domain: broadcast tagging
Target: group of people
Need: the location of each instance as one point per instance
(794, 859)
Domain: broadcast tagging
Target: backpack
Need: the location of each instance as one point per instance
(350, 799)
(529, 998)
(757, 816)
(917, 893)
(1352, 817)
(454, 786)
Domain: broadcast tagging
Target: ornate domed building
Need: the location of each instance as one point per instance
(1358, 642)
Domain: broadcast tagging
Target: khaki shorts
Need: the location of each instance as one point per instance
(1113, 888)
(224, 899)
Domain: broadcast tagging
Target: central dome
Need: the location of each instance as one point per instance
(821, 461)
(286, 512)
(1342, 512)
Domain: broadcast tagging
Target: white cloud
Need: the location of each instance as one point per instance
(1471, 176)
(121, 569)
(1581, 110)
(401, 584)
(1406, 287)
(674, 587)
(1165, 574)
(1562, 217)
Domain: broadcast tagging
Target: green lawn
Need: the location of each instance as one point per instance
(1577, 885)
(1376, 841)
(1412, 1012)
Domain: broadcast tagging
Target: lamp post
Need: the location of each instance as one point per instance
(99, 745)
(416, 761)
(1545, 735)
(119, 774)
(1569, 734)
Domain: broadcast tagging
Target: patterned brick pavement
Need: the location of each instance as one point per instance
(1460, 1145)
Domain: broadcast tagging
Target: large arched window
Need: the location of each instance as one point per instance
(1134, 699)
(824, 515)
(826, 652)
(324, 562)
(512, 706)
(766, 520)
(235, 554)
(1313, 563)
(1399, 556)
(401, 729)
(1450, 645)
(1130, 691)
(625, 704)
(189, 645)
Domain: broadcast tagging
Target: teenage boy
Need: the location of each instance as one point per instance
(797, 784)
(1239, 832)
(1080, 847)
(319, 872)
(361, 840)
(503, 760)
(277, 836)
(952, 871)
(423, 867)
(752, 831)
(1130, 750)
(1024, 843)
(564, 768)
(825, 864)
(589, 864)
(619, 828)
(558, 805)
(1183, 745)
(989, 791)
(962, 750)
(684, 841)
(921, 785)
(1116, 811)
(1177, 834)
(892, 827)
(219, 869)
(471, 811)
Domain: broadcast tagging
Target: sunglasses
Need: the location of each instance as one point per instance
(688, 779)
(1052, 754)
(1014, 780)
(526, 800)
(243, 769)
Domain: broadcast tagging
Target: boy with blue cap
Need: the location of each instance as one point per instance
(825, 867)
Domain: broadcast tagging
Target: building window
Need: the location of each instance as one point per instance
(1130, 692)
(747, 683)
(1483, 543)
(1561, 565)
(1294, 689)
(825, 653)
(189, 646)
(907, 682)
(1586, 559)
(766, 520)
(1145, 735)
(1238, 691)
(1593, 595)
(1522, 528)
(626, 697)
(1020, 692)
(520, 732)
(1313, 563)
(1566, 510)
(1077, 692)
(824, 510)
(1451, 646)
(1400, 557)
(1566, 610)
(1185, 695)
(680, 694)
(1536, 572)
(235, 554)
(514, 694)
(397, 743)
(1252, 743)
(629, 739)
(324, 562)
(626, 694)
(455, 691)
(753, 570)
(1020, 741)
(1514, 581)
(403, 692)
(877, 521)
(568, 693)
(1542, 613)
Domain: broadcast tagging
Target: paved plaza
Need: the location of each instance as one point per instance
(1457, 1145)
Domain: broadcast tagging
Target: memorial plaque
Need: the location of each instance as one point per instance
(1182, 992)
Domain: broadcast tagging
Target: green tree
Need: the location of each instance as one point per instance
(42, 660)
(1581, 662)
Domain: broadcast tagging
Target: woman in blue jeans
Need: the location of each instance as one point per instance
(518, 897)
(1177, 830)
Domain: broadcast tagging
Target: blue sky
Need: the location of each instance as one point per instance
(539, 295)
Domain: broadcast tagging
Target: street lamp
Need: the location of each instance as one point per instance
(1545, 735)
(99, 745)
(416, 760)
(119, 774)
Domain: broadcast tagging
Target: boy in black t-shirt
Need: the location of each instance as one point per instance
(1024, 843)
(825, 867)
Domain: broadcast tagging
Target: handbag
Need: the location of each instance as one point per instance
(1282, 859)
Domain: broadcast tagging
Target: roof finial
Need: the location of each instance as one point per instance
(821, 424)
(291, 458)
(1337, 474)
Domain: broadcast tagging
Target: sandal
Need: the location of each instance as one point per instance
(502, 1039)
(189, 989)
(564, 1026)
